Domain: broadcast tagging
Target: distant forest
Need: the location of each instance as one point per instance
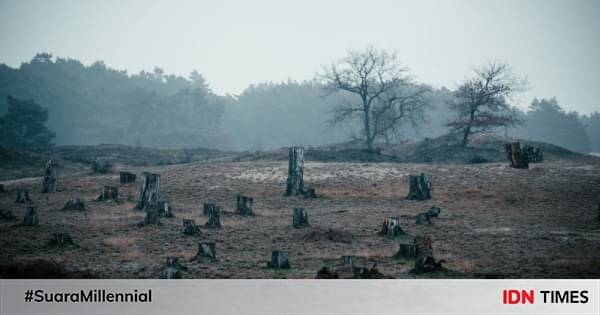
(96, 104)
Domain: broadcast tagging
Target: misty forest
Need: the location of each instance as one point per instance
(362, 171)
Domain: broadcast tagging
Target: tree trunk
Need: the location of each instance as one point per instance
(190, 227)
(109, 193)
(60, 239)
(31, 218)
(244, 205)
(126, 177)
(466, 134)
(295, 180)
(172, 269)
(300, 218)
(406, 250)
(419, 187)
(391, 227)
(23, 196)
(206, 250)
(149, 191)
(50, 177)
(103, 167)
(534, 154)
(214, 217)
(74, 204)
(279, 260)
(517, 157)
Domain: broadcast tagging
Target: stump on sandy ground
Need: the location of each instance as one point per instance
(391, 227)
(109, 193)
(310, 193)
(208, 207)
(295, 180)
(406, 250)
(214, 217)
(534, 154)
(152, 216)
(419, 187)
(366, 273)
(50, 177)
(425, 262)
(422, 243)
(244, 205)
(423, 218)
(206, 250)
(300, 218)
(279, 260)
(60, 239)
(23, 196)
(172, 269)
(31, 218)
(434, 212)
(74, 204)
(190, 227)
(7, 215)
(517, 157)
(326, 273)
(126, 177)
(149, 190)
(348, 260)
(165, 209)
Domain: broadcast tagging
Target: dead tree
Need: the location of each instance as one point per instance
(149, 190)
(172, 269)
(295, 180)
(60, 239)
(208, 207)
(126, 177)
(190, 227)
(214, 217)
(74, 204)
(102, 167)
(406, 250)
(7, 215)
(391, 227)
(31, 218)
(165, 209)
(419, 187)
(517, 157)
(279, 260)
(244, 205)
(300, 218)
(23, 196)
(206, 250)
(50, 177)
(534, 154)
(109, 193)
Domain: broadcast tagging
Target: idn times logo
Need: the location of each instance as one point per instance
(515, 296)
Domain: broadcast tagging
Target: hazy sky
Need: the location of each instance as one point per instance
(556, 44)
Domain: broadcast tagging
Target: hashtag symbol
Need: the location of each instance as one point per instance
(28, 295)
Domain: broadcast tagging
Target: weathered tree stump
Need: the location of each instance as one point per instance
(326, 273)
(74, 204)
(422, 243)
(279, 260)
(534, 154)
(190, 227)
(23, 196)
(391, 227)
(7, 215)
(60, 239)
(206, 250)
(149, 190)
(425, 262)
(348, 260)
(244, 205)
(172, 269)
(109, 193)
(165, 209)
(101, 166)
(517, 157)
(50, 177)
(295, 180)
(300, 218)
(152, 216)
(434, 212)
(31, 218)
(419, 187)
(406, 250)
(126, 177)
(423, 218)
(214, 217)
(208, 207)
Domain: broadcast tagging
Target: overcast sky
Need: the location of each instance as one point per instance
(556, 44)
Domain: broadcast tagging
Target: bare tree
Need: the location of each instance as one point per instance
(481, 101)
(383, 95)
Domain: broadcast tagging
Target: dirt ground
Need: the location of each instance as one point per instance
(495, 221)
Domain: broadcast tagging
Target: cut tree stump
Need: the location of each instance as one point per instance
(126, 177)
(74, 204)
(244, 205)
(422, 243)
(406, 250)
(60, 239)
(208, 207)
(517, 157)
(419, 187)
(348, 260)
(7, 215)
(295, 180)
(149, 190)
(391, 227)
(100, 166)
(165, 209)
(190, 227)
(279, 260)
(50, 177)
(534, 154)
(206, 250)
(425, 262)
(109, 193)
(434, 212)
(31, 218)
(423, 218)
(300, 218)
(214, 217)
(172, 269)
(23, 196)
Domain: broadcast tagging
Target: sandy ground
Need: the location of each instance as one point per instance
(495, 221)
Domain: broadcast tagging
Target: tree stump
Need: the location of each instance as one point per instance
(165, 209)
(348, 260)
(23, 196)
(109, 193)
(74, 204)
(50, 177)
(517, 157)
(295, 180)
(126, 177)
(172, 269)
(60, 239)
(422, 243)
(152, 216)
(31, 218)
(7, 215)
(244, 205)
(422, 218)
(434, 212)
(279, 260)
(406, 250)
(534, 154)
(102, 167)
(300, 218)
(206, 250)
(149, 190)
(391, 227)
(214, 217)
(207, 208)
(190, 227)
(425, 262)
(419, 187)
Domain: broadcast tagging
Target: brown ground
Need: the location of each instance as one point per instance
(495, 221)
